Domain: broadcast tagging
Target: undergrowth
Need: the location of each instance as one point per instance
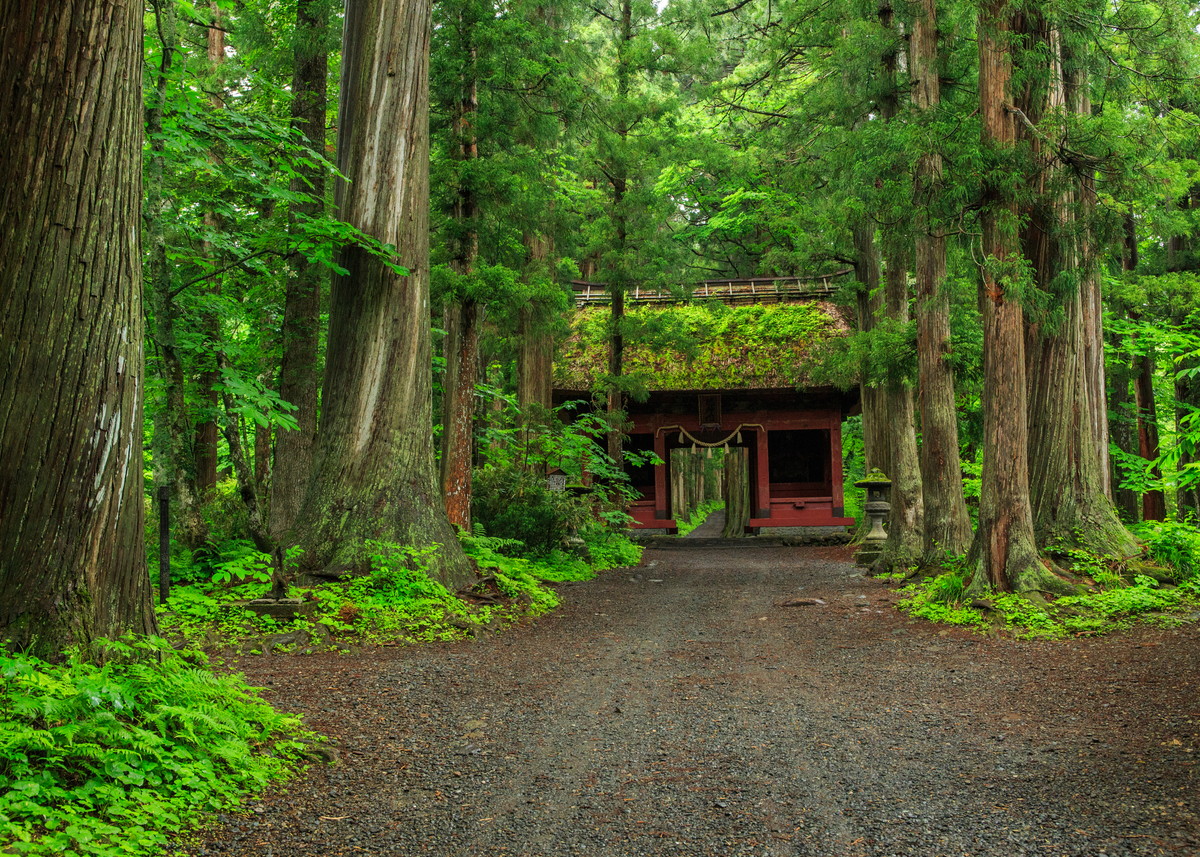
(700, 515)
(110, 759)
(1116, 596)
(397, 602)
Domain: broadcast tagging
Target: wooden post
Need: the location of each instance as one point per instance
(835, 464)
(662, 496)
(762, 488)
(164, 543)
(737, 492)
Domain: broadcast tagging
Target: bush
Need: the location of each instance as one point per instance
(514, 504)
(107, 760)
(1174, 545)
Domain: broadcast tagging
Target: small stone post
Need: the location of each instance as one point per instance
(877, 507)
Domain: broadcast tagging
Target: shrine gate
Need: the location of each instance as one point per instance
(792, 430)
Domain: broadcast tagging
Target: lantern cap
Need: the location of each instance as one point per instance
(874, 479)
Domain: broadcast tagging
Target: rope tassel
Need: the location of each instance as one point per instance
(735, 435)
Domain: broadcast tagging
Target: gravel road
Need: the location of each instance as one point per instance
(680, 709)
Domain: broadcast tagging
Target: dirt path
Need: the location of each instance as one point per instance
(677, 709)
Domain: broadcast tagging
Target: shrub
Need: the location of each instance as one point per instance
(1174, 545)
(515, 504)
(106, 760)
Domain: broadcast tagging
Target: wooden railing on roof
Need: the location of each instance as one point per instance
(744, 291)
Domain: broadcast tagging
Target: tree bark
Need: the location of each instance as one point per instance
(535, 354)
(373, 469)
(174, 462)
(1154, 503)
(72, 564)
(736, 492)
(1122, 403)
(1187, 394)
(207, 431)
(1005, 551)
(947, 524)
(906, 521)
(1068, 473)
(898, 428)
(298, 379)
(458, 423)
(868, 272)
(1124, 434)
(618, 176)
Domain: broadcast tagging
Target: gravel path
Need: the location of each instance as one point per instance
(679, 709)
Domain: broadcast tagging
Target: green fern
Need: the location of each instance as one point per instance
(109, 760)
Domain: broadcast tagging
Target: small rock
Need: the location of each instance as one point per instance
(803, 602)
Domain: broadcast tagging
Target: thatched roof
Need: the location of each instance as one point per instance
(707, 346)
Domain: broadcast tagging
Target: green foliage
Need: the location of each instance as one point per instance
(1114, 600)
(112, 759)
(609, 548)
(513, 503)
(1174, 545)
(398, 600)
(699, 515)
(701, 346)
(511, 498)
(940, 599)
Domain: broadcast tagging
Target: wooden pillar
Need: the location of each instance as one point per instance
(835, 463)
(662, 498)
(762, 488)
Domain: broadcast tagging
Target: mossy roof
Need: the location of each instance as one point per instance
(707, 346)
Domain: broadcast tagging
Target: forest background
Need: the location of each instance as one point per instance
(326, 252)
(1014, 186)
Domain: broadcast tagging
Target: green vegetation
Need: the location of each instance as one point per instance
(702, 346)
(699, 516)
(398, 601)
(1113, 595)
(110, 759)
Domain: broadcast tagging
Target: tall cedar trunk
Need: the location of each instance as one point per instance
(459, 414)
(905, 542)
(1187, 394)
(1124, 434)
(373, 463)
(72, 564)
(1122, 404)
(535, 378)
(302, 293)
(535, 348)
(458, 422)
(736, 492)
(906, 521)
(1068, 479)
(231, 428)
(1145, 422)
(1154, 503)
(869, 274)
(947, 525)
(618, 176)
(205, 445)
(174, 464)
(1005, 551)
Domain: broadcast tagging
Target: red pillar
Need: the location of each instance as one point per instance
(762, 490)
(662, 503)
(835, 463)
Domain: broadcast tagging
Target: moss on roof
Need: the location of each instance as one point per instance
(707, 346)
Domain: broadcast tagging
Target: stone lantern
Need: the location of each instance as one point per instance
(877, 507)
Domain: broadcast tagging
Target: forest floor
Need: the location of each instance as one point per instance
(680, 708)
